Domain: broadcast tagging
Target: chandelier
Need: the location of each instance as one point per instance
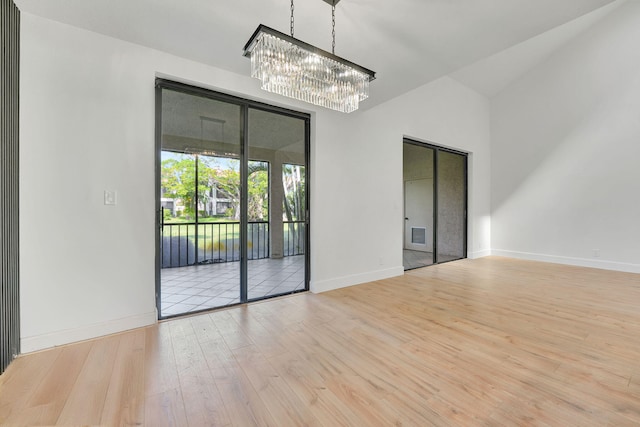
(290, 67)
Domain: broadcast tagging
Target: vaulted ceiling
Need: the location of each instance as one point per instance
(482, 43)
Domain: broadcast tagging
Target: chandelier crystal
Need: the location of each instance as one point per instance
(298, 70)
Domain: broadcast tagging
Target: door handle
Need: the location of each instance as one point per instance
(406, 219)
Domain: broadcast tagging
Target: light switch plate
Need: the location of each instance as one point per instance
(110, 197)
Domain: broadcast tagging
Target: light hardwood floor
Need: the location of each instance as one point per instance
(481, 342)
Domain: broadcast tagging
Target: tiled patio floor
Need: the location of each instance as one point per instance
(200, 287)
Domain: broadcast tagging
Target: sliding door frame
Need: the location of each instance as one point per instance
(437, 149)
(245, 105)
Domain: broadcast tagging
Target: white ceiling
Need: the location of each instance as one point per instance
(407, 42)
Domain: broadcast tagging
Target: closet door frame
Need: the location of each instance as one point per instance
(437, 149)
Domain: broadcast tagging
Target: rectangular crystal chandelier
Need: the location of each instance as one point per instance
(298, 70)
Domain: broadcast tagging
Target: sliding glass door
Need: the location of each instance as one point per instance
(435, 204)
(419, 193)
(226, 200)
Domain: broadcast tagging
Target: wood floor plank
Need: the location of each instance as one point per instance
(202, 401)
(242, 402)
(165, 409)
(267, 343)
(230, 331)
(283, 404)
(46, 404)
(160, 369)
(306, 383)
(20, 381)
(491, 342)
(124, 403)
(87, 398)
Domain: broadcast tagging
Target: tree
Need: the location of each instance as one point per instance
(294, 199)
(258, 197)
(178, 180)
(222, 175)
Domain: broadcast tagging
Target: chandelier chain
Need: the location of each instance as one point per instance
(291, 18)
(333, 28)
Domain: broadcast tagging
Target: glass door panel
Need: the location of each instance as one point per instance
(258, 210)
(418, 175)
(451, 210)
(200, 202)
(293, 208)
(276, 200)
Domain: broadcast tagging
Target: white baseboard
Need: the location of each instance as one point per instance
(67, 336)
(479, 254)
(580, 262)
(354, 279)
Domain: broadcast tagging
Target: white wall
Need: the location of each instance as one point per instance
(565, 149)
(362, 172)
(87, 125)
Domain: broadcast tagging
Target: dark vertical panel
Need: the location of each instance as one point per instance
(159, 212)
(285, 151)
(244, 217)
(307, 223)
(9, 129)
(436, 202)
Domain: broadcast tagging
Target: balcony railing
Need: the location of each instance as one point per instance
(294, 238)
(189, 243)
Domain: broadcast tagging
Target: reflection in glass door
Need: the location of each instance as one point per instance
(199, 238)
(418, 174)
(435, 197)
(283, 269)
(451, 202)
(218, 244)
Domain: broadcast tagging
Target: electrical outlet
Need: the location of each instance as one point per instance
(596, 253)
(110, 197)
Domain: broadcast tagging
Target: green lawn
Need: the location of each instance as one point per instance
(206, 233)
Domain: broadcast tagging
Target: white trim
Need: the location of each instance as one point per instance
(67, 336)
(580, 262)
(355, 279)
(479, 254)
